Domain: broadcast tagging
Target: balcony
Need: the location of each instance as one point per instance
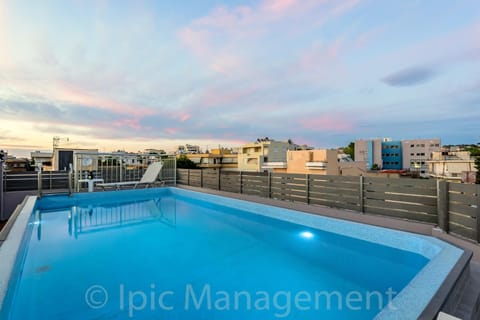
(274, 165)
(320, 165)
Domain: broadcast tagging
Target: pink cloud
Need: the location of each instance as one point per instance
(171, 131)
(184, 117)
(77, 95)
(218, 97)
(335, 123)
(131, 123)
(280, 5)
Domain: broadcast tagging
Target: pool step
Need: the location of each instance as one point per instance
(467, 306)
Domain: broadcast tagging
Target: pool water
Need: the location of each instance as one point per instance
(166, 255)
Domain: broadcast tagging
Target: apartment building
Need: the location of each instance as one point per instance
(417, 152)
(450, 165)
(321, 161)
(216, 159)
(369, 151)
(42, 159)
(388, 154)
(188, 149)
(263, 155)
(63, 157)
(392, 155)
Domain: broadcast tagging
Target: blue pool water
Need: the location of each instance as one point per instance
(170, 254)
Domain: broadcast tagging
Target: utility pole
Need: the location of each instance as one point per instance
(3, 156)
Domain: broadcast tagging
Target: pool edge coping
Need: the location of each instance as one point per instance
(13, 236)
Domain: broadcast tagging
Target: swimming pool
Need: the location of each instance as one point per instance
(171, 253)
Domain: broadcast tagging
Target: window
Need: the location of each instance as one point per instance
(412, 154)
(412, 145)
(422, 154)
(422, 145)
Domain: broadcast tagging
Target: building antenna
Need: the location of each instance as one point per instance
(57, 139)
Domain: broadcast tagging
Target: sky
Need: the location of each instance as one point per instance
(155, 74)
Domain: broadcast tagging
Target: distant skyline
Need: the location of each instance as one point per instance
(154, 74)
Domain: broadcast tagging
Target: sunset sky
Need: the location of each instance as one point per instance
(154, 74)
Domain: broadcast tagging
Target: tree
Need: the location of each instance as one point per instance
(375, 167)
(474, 151)
(350, 150)
(184, 163)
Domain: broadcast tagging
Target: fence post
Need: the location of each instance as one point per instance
(442, 204)
(188, 177)
(201, 178)
(307, 187)
(70, 177)
(1, 186)
(218, 179)
(269, 186)
(241, 183)
(39, 183)
(361, 197)
(478, 212)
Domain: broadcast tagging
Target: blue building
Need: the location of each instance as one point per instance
(392, 155)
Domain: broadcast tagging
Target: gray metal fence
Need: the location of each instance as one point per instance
(22, 181)
(114, 167)
(102, 166)
(454, 207)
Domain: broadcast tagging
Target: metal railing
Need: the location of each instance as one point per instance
(115, 167)
(106, 166)
(24, 181)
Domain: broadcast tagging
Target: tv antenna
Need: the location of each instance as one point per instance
(57, 140)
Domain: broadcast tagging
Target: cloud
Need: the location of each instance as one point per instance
(333, 123)
(410, 76)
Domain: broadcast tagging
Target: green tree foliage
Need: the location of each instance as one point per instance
(184, 163)
(474, 151)
(350, 150)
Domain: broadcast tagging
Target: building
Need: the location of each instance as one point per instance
(188, 149)
(44, 159)
(387, 154)
(13, 164)
(264, 155)
(417, 152)
(63, 157)
(154, 152)
(214, 160)
(392, 155)
(369, 152)
(321, 161)
(450, 165)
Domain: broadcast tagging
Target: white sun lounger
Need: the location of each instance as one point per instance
(148, 178)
